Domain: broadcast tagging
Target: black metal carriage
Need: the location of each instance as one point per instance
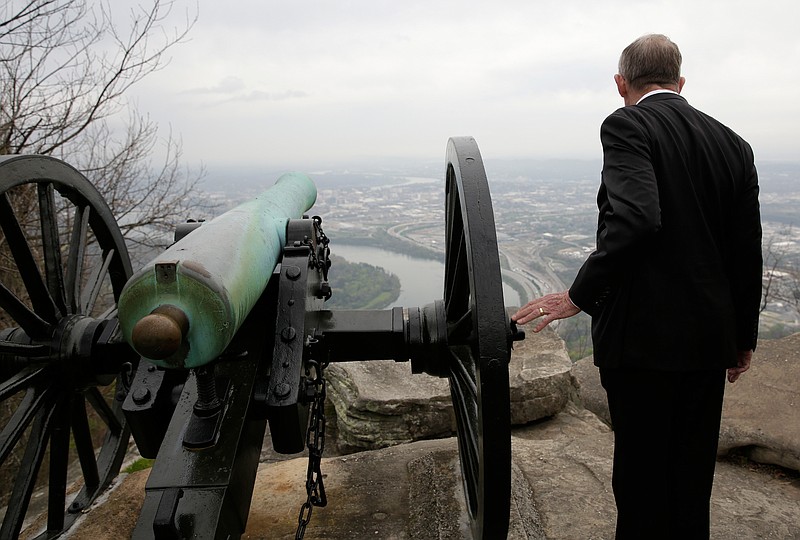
(82, 369)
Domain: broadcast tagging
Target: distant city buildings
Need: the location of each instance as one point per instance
(545, 218)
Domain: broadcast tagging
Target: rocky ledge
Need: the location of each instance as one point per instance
(387, 483)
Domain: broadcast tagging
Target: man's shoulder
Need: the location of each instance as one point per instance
(662, 113)
(624, 118)
(664, 106)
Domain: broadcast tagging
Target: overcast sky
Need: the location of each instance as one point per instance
(285, 82)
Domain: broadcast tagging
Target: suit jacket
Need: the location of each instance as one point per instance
(675, 280)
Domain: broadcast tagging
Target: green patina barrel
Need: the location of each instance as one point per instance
(211, 278)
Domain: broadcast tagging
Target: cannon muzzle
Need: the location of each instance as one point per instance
(184, 307)
(160, 334)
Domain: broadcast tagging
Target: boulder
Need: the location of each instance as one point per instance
(540, 378)
(761, 411)
(591, 394)
(380, 403)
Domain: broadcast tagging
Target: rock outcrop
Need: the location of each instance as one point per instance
(760, 413)
(561, 489)
(561, 458)
(379, 404)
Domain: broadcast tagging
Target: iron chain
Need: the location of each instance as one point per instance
(315, 392)
(315, 441)
(321, 261)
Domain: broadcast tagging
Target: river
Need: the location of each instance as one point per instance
(421, 280)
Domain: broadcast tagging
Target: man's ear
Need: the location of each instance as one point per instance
(622, 85)
(681, 82)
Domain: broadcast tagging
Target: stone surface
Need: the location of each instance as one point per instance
(113, 515)
(760, 413)
(561, 490)
(391, 493)
(381, 403)
(567, 462)
(561, 464)
(591, 394)
(539, 377)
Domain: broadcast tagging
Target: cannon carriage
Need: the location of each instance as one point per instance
(224, 333)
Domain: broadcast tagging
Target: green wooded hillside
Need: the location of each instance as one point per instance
(361, 285)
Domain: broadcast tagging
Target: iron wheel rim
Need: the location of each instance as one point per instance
(46, 360)
(478, 345)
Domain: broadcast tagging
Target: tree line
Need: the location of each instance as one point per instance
(361, 285)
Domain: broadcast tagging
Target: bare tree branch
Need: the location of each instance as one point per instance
(65, 66)
(781, 281)
(772, 258)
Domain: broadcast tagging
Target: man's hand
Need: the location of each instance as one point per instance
(550, 308)
(743, 364)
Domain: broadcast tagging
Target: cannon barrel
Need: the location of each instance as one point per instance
(248, 287)
(184, 307)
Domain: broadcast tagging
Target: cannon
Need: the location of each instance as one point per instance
(221, 335)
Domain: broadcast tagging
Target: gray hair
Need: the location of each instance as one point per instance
(651, 59)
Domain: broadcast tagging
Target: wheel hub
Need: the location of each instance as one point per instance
(75, 341)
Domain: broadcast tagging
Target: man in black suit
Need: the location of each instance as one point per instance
(673, 289)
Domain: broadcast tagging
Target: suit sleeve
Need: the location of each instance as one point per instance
(629, 210)
(747, 264)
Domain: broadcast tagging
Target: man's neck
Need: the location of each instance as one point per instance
(634, 97)
(656, 91)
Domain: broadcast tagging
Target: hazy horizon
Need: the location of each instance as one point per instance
(267, 82)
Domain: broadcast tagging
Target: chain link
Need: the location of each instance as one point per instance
(315, 441)
(321, 261)
(315, 393)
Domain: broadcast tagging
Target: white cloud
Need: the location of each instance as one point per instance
(227, 85)
(273, 80)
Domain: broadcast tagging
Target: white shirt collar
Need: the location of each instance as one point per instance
(654, 92)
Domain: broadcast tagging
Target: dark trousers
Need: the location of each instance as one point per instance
(666, 428)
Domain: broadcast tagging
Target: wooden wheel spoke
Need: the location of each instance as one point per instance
(29, 321)
(453, 228)
(51, 244)
(59, 462)
(21, 380)
(32, 403)
(38, 293)
(98, 403)
(457, 279)
(26, 476)
(23, 350)
(452, 206)
(460, 331)
(77, 252)
(83, 443)
(95, 284)
(466, 412)
(465, 377)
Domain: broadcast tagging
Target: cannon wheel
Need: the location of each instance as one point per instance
(478, 337)
(64, 261)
